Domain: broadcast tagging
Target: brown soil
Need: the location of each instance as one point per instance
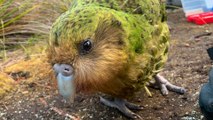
(188, 66)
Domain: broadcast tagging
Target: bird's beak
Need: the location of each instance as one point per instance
(65, 78)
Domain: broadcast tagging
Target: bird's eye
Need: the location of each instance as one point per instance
(86, 46)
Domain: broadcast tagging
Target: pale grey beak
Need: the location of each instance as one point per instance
(65, 79)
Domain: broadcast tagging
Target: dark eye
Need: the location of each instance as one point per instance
(86, 46)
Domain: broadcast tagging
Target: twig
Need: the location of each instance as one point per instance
(55, 109)
(173, 6)
(59, 111)
(43, 102)
(203, 34)
(40, 85)
(10, 62)
(5, 106)
(124, 3)
(15, 43)
(73, 117)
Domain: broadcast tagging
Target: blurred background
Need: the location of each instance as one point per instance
(27, 87)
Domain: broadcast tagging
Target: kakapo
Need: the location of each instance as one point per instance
(111, 46)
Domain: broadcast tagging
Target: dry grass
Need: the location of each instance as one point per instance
(6, 84)
(22, 19)
(24, 28)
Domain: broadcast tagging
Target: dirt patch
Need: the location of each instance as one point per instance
(188, 66)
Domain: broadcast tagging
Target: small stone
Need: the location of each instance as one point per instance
(186, 45)
(1, 114)
(25, 92)
(36, 115)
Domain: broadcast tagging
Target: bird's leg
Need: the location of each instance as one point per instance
(123, 106)
(164, 85)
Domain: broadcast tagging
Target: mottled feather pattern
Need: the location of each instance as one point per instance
(130, 44)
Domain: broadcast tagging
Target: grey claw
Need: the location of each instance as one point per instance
(133, 106)
(181, 91)
(164, 90)
(123, 106)
(165, 85)
(134, 116)
(175, 88)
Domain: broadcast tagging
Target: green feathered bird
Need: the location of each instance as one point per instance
(110, 46)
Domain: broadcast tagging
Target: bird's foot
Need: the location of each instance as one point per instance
(164, 85)
(123, 106)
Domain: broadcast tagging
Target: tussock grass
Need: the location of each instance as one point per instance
(3, 42)
(10, 13)
(22, 19)
(25, 24)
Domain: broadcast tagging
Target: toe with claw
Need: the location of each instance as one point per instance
(164, 85)
(123, 106)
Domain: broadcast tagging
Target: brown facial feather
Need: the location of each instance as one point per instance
(104, 67)
(100, 69)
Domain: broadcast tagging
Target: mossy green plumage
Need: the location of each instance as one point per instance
(130, 43)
